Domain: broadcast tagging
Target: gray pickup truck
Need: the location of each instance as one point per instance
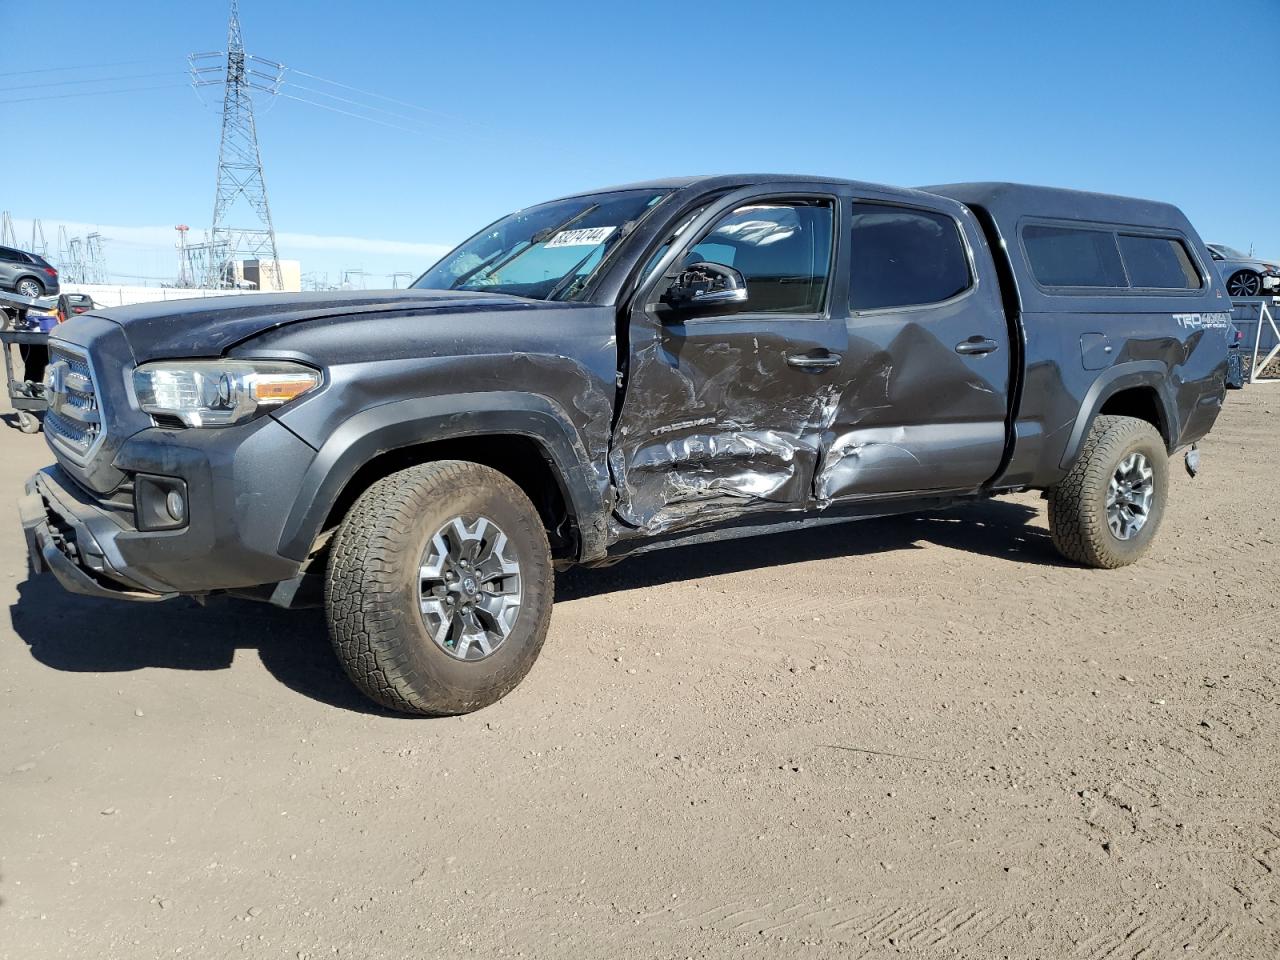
(620, 371)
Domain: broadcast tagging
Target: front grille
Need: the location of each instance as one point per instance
(73, 423)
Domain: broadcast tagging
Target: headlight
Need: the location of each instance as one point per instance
(218, 393)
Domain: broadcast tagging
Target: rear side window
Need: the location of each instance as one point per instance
(1160, 263)
(1073, 257)
(905, 257)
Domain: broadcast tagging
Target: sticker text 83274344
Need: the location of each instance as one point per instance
(585, 237)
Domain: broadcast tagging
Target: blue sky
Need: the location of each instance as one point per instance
(508, 104)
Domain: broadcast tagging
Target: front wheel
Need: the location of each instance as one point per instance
(1107, 509)
(439, 588)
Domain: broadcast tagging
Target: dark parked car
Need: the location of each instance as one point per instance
(618, 372)
(1246, 276)
(27, 274)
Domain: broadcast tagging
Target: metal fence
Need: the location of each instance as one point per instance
(1256, 319)
(1245, 315)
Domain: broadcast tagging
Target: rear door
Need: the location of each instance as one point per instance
(723, 412)
(925, 379)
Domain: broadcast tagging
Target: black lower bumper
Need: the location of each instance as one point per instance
(241, 484)
(60, 539)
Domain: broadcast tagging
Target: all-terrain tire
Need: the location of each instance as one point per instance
(1078, 503)
(372, 589)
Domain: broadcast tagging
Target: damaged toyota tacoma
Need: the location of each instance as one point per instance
(620, 371)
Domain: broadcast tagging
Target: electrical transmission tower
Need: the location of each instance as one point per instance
(39, 245)
(73, 262)
(95, 263)
(239, 161)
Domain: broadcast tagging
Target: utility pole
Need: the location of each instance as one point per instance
(239, 161)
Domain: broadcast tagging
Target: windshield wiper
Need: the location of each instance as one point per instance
(473, 271)
(540, 236)
(572, 281)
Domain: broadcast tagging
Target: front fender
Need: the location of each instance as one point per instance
(1123, 376)
(405, 423)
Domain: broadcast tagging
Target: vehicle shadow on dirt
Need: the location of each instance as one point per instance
(87, 635)
(996, 528)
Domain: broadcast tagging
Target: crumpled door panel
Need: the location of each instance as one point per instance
(716, 423)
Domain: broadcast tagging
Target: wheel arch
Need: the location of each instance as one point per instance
(1134, 389)
(521, 436)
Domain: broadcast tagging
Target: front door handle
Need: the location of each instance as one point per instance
(976, 346)
(824, 359)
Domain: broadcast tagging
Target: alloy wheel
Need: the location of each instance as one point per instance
(1129, 496)
(469, 587)
(1244, 284)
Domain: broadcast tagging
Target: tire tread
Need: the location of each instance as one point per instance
(1077, 524)
(361, 587)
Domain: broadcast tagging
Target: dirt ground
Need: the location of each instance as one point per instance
(917, 737)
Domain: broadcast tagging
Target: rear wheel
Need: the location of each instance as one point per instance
(439, 588)
(1244, 283)
(29, 287)
(1107, 509)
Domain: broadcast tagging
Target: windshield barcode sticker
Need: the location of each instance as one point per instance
(586, 237)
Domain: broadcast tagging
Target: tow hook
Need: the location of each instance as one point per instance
(1193, 460)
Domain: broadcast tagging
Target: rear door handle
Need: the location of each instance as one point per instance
(823, 359)
(976, 346)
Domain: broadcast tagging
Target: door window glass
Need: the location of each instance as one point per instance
(905, 257)
(782, 250)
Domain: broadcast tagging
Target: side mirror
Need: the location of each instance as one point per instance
(706, 285)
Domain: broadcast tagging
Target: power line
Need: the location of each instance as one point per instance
(402, 103)
(360, 116)
(357, 103)
(81, 67)
(74, 83)
(97, 93)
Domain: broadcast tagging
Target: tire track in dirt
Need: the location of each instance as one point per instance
(957, 926)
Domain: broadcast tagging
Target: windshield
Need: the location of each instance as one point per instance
(1230, 253)
(548, 252)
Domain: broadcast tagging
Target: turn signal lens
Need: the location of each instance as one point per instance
(281, 388)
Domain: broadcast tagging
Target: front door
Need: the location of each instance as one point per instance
(724, 409)
(925, 379)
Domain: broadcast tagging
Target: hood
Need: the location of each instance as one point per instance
(1257, 263)
(209, 326)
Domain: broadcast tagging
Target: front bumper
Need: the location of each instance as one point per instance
(63, 537)
(241, 483)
